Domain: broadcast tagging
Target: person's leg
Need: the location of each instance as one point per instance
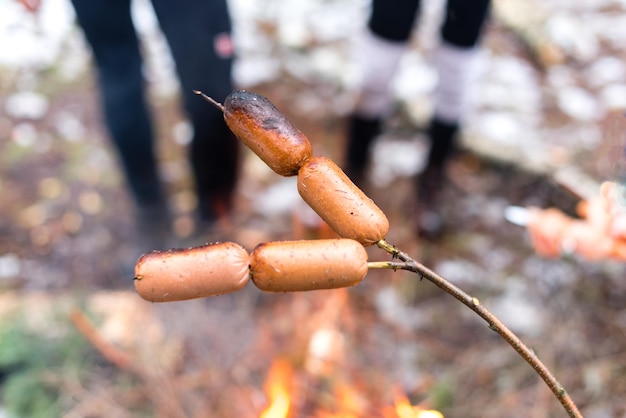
(199, 36)
(389, 28)
(454, 61)
(109, 31)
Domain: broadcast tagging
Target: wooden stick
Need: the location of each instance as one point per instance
(210, 100)
(113, 354)
(494, 322)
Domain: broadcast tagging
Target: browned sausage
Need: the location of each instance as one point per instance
(340, 203)
(267, 132)
(291, 266)
(209, 270)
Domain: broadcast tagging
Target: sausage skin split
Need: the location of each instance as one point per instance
(340, 203)
(267, 132)
(181, 274)
(291, 266)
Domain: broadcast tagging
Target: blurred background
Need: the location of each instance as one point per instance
(546, 126)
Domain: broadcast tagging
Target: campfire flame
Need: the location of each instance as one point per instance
(349, 404)
(404, 409)
(277, 390)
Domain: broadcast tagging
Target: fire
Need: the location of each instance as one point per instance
(277, 390)
(348, 402)
(404, 409)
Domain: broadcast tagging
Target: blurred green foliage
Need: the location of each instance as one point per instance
(33, 364)
(442, 395)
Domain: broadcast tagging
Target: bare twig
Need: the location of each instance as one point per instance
(407, 263)
(113, 354)
(160, 387)
(210, 100)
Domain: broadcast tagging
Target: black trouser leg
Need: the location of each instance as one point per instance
(198, 33)
(109, 30)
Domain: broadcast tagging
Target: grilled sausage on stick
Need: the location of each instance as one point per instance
(181, 274)
(265, 130)
(339, 202)
(290, 266)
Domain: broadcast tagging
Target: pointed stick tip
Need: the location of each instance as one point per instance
(210, 100)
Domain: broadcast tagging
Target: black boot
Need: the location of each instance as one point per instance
(443, 141)
(150, 231)
(361, 134)
(432, 180)
(153, 226)
(215, 165)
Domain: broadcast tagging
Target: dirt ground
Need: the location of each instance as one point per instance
(65, 244)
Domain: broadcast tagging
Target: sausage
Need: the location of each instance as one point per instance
(587, 241)
(181, 274)
(290, 266)
(339, 202)
(267, 132)
(546, 228)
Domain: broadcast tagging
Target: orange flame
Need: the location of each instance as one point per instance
(349, 404)
(404, 409)
(277, 389)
